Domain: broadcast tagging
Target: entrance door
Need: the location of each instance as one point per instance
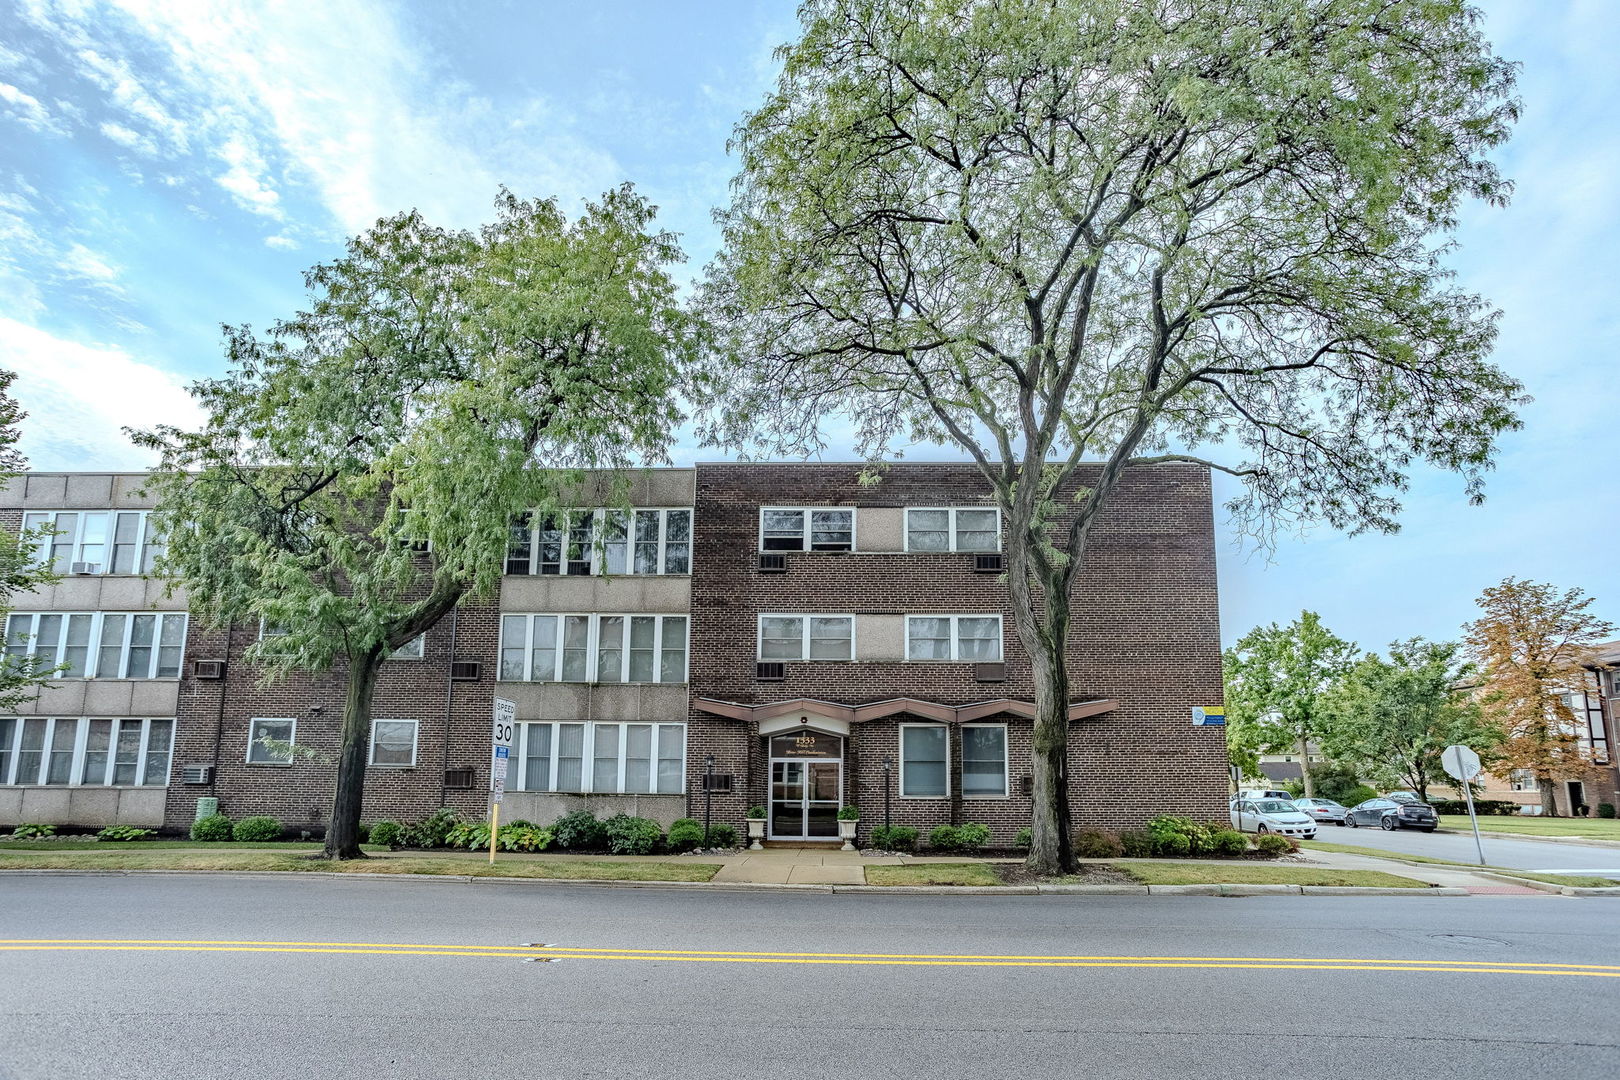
(805, 796)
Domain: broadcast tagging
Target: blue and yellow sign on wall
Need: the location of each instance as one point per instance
(1209, 715)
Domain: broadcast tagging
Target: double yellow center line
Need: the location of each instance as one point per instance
(545, 952)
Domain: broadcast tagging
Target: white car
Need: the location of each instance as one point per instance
(1272, 816)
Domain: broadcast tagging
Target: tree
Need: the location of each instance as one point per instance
(441, 385)
(1531, 644)
(1279, 683)
(21, 569)
(1393, 718)
(1053, 232)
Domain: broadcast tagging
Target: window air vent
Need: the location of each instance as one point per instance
(208, 669)
(197, 774)
(1026, 786)
(773, 563)
(458, 779)
(991, 672)
(464, 670)
(988, 562)
(770, 672)
(717, 782)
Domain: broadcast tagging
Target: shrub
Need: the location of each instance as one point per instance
(849, 813)
(894, 838)
(757, 812)
(944, 837)
(1172, 846)
(256, 830)
(722, 835)
(1096, 844)
(30, 831)
(1358, 794)
(118, 834)
(213, 828)
(1174, 836)
(365, 833)
(432, 831)
(1023, 837)
(1138, 844)
(1229, 842)
(472, 835)
(972, 836)
(628, 835)
(578, 830)
(686, 834)
(523, 836)
(387, 833)
(1271, 845)
(1606, 809)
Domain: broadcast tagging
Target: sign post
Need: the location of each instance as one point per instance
(1463, 763)
(505, 722)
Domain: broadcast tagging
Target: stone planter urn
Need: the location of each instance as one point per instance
(846, 832)
(756, 833)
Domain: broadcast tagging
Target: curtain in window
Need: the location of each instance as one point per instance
(159, 741)
(97, 746)
(923, 762)
(643, 630)
(781, 638)
(514, 644)
(928, 530)
(605, 766)
(976, 530)
(576, 650)
(984, 761)
(671, 758)
(677, 541)
(570, 757)
(978, 638)
(830, 638)
(930, 638)
(673, 662)
(638, 757)
(610, 649)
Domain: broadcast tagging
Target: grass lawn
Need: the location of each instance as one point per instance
(1584, 828)
(1377, 853)
(217, 857)
(1401, 856)
(1573, 880)
(286, 847)
(1167, 873)
(934, 874)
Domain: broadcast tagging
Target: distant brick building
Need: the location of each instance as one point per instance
(809, 641)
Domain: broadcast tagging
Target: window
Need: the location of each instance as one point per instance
(953, 637)
(923, 758)
(270, 741)
(593, 648)
(806, 529)
(393, 743)
(601, 758)
(96, 541)
(101, 645)
(806, 637)
(1522, 780)
(640, 541)
(86, 751)
(984, 761)
(953, 529)
(411, 650)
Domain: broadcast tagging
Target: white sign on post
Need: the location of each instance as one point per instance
(505, 723)
(1462, 763)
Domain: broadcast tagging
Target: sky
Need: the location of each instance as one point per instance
(169, 166)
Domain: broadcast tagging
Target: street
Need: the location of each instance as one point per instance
(934, 986)
(1545, 855)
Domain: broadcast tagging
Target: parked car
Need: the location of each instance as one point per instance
(1390, 814)
(1322, 809)
(1403, 797)
(1263, 793)
(1271, 816)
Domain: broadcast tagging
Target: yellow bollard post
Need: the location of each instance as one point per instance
(494, 827)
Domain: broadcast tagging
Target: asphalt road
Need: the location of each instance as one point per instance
(1459, 847)
(910, 992)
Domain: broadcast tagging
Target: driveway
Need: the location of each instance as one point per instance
(1459, 847)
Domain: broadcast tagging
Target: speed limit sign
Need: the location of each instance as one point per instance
(505, 722)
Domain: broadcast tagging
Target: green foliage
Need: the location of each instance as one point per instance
(256, 830)
(1229, 842)
(472, 835)
(1022, 837)
(964, 839)
(1172, 846)
(756, 812)
(1605, 810)
(685, 834)
(119, 834)
(578, 830)
(1272, 845)
(1357, 795)
(894, 838)
(1278, 684)
(1483, 807)
(31, 831)
(522, 836)
(1097, 844)
(1333, 780)
(1138, 844)
(849, 813)
(20, 571)
(213, 828)
(722, 835)
(388, 833)
(1175, 836)
(432, 831)
(628, 835)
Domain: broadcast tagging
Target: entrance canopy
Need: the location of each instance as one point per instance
(833, 718)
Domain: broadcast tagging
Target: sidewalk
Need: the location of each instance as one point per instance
(1445, 877)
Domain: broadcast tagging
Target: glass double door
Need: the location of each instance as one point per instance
(805, 796)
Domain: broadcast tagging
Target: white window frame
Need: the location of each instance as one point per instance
(12, 750)
(92, 660)
(804, 637)
(900, 753)
(1006, 763)
(371, 754)
(593, 641)
(32, 519)
(951, 528)
(597, 554)
(805, 528)
(587, 771)
(253, 739)
(417, 649)
(956, 638)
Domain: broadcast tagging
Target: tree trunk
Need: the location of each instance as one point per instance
(1305, 767)
(1051, 849)
(1549, 794)
(343, 832)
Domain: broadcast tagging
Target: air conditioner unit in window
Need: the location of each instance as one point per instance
(208, 669)
(85, 568)
(717, 782)
(988, 562)
(465, 670)
(995, 671)
(458, 779)
(770, 671)
(197, 774)
(773, 563)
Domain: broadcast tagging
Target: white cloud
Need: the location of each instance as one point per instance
(28, 109)
(79, 396)
(245, 180)
(281, 243)
(126, 137)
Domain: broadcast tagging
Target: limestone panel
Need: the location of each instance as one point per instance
(141, 806)
(11, 805)
(648, 594)
(880, 637)
(154, 697)
(581, 701)
(108, 697)
(46, 491)
(89, 491)
(78, 593)
(47, 805)
(880, 528)
(123, 594)
(126, 492)
(64, 697)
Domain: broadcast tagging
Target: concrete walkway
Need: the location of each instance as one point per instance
(1446, 877)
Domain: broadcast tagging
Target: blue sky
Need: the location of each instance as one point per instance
(169, 166)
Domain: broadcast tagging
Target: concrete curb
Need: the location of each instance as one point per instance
(1549, 886)
(1486, 834)
(739, 886)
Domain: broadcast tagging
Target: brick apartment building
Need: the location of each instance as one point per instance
(808, 641)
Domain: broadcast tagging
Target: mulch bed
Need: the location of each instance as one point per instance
(1089, 874)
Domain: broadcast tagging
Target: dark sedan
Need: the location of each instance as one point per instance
(1390, 815)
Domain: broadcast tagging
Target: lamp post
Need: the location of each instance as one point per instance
(888, 764)
(708, 795)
